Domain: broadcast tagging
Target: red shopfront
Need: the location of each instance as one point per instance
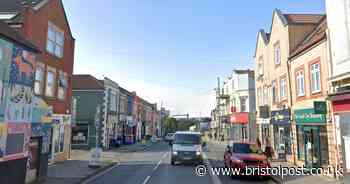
(341, 114)
(239, 126)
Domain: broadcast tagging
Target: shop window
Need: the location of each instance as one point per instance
(315, 78)
(59, 138)
(80, 134)
(62, 85)
(301, 143)
(39, 79)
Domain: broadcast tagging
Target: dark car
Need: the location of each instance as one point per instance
(245, 154)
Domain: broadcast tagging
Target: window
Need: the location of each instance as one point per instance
(55, 40)
(113, 102)
(58, 138)
(50, 82)
(277, 53)
(300, 83)
(261, 66)
(274, 91)
(39, 79)
(243, 102)
(259, 96)
(233, 84)
(265, 96)
(62, 85)
(283, 88)
(315, 78)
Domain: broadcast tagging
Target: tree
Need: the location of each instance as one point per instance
(170, 125)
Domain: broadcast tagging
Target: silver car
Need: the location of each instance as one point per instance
(187, 147)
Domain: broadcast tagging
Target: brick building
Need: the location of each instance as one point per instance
(44, 23)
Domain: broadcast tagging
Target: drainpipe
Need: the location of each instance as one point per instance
(291, 105)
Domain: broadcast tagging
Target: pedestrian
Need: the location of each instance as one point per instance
(258, 143)
(268, 149)
(222, 138)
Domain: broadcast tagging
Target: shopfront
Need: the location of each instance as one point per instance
(312, 142)
(130, 131)
(263, 125)
(280, 121)
(341, 109)
(239, 126)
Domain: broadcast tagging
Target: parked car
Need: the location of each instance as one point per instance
(245, 154)
(169, 137)
(187, 147)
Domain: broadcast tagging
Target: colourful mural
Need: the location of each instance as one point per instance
(22, 67)
(42, 113)
(44, 131)
(17, 141)
(21, 81)
(5, 62)
(3, 135)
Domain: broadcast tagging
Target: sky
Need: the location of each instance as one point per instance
(172, 51)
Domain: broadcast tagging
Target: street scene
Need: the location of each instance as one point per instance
(153, 92)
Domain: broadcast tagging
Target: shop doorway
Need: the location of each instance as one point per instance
(33, 162)
(312, 147)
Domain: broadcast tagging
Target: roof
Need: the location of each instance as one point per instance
(18, 6)
(86, 82)
(289, 19)
(12, 6)
(314, 37)
(303, 18)
(14, 36)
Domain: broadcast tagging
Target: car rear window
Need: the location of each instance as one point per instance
(245, 148)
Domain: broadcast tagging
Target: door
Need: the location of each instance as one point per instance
(33, 160)
(312, 147)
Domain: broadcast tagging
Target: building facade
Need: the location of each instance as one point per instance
(271, 56)
(25, 119)
(338, 13)
(44, 22)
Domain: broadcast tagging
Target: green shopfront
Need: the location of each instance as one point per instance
(312, 143)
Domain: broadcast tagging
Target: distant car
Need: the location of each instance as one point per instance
(187, 147)
(245, 154)
(169, 137)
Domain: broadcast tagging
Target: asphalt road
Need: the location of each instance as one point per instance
(152, 166)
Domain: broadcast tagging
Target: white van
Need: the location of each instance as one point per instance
(187, 147)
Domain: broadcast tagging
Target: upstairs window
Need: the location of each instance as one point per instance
(274, 91)
(50, 82)
(62, 85)
(300, 83)
(315, 78)
(243, 103)
(283, 88)
(55, 41)
(277, 53)
(39, 79)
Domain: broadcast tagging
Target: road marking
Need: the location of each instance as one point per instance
(100, 174)
(156, 167)
(165, 154)
(146, 180)
(215, 179)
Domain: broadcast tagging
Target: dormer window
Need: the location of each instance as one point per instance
(55, 41)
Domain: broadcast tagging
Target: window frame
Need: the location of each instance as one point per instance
(311, 75)
(274, 91)
(41, 82)
(65, 75)
(283, 88)
(277, 47)
(53, 70)
(298, 73)
(56, 32)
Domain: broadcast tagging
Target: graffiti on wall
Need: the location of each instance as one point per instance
(3, 135)
(17, 141)
(5, 62)
(21, 81)
(44, 131)
(42, 113)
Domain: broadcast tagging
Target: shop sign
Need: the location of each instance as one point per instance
(280, 117)
(240, 118)
(320, 107)
(264, 112)
(304, 116)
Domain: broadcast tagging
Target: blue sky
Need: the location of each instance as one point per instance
(172, 50)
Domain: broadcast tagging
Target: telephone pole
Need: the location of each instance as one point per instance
(218, 111)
